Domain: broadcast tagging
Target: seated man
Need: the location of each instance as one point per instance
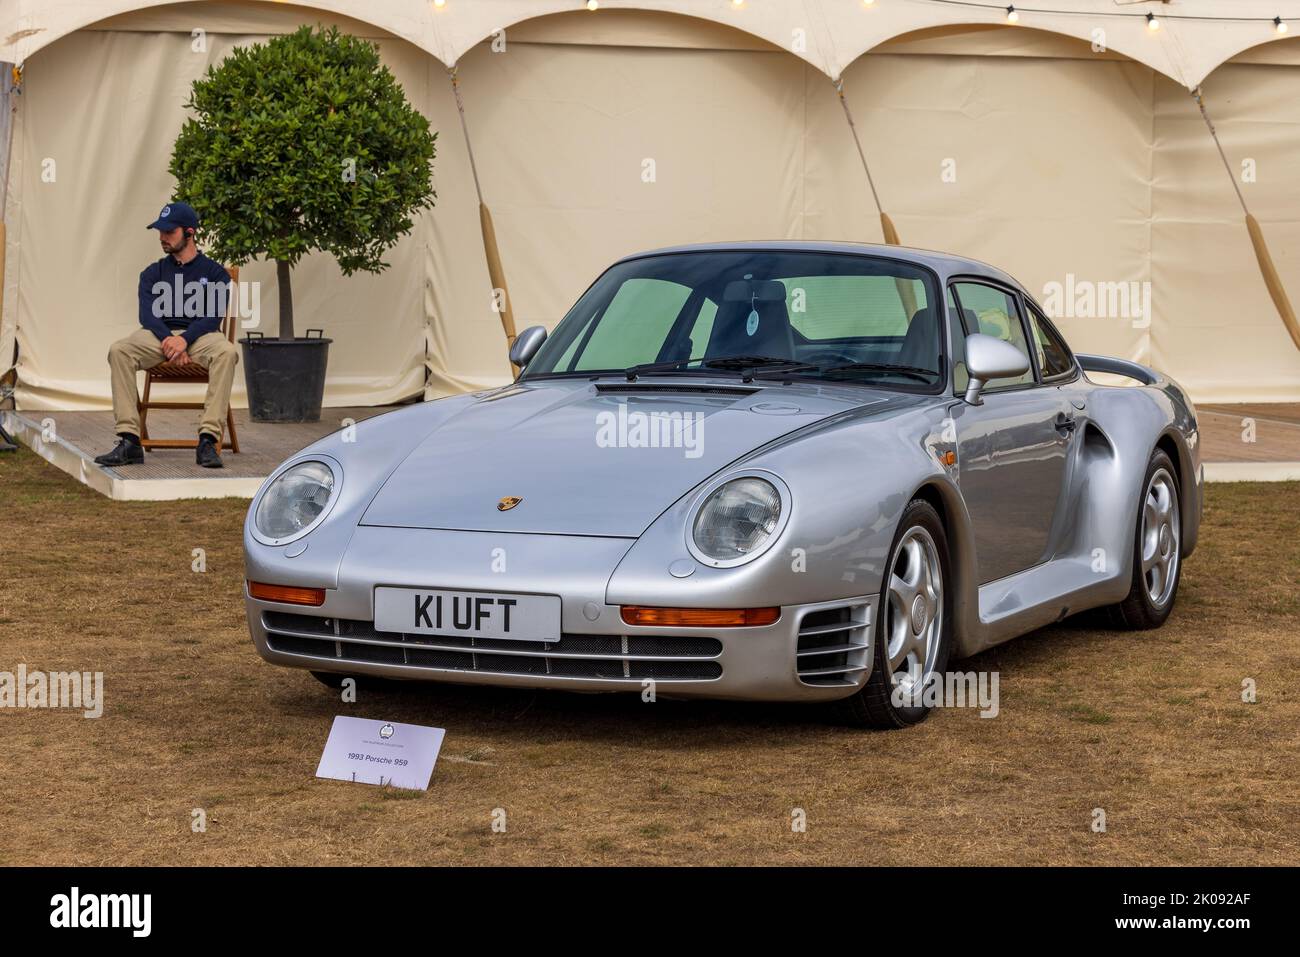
(181, 309)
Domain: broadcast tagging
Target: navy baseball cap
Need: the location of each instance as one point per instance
(175, 214)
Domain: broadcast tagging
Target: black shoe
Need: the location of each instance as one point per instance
(127, 452)
(206, 454)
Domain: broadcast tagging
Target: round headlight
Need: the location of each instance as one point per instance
(737, 521)
(294, 500)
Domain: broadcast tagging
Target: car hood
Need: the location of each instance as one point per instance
(581, 457)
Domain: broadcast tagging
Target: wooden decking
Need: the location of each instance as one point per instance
(1250, 432)
(71, 440)
(265, 445)
(1250, 441)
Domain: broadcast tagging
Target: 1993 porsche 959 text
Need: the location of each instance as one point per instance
(770, 471)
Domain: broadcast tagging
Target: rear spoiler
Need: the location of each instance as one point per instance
(1118, 367)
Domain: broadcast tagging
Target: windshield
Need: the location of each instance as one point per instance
(825, 315)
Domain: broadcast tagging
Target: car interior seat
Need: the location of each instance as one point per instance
(921, 344)
(735, 334)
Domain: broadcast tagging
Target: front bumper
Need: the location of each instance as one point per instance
(817, 651)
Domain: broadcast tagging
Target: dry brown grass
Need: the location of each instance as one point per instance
(1150, 727)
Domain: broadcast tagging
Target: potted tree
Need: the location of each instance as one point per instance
(305, 142)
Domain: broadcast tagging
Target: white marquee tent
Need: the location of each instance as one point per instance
(1065, 148)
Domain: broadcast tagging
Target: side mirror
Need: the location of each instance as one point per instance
(988, 358)
(526, 345)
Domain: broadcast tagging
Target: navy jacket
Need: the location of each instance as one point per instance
(188, 300)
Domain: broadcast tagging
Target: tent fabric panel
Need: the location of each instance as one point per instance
(746, 143)
(1216, 328)
(96, 107)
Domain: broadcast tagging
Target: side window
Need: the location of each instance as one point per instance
(960, 377)
(993, 312)
(1054, 357)
(635, 323)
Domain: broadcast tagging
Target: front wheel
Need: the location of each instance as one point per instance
(913, 628)
(1157, 564)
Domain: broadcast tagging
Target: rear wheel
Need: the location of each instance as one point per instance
(1157, 564)
(913, 626)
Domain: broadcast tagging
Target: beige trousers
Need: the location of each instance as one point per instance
(142, 350)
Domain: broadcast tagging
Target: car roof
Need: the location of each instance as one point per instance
(945, 264)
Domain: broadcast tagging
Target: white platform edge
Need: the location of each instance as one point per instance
(68, 458)
(1252, 471)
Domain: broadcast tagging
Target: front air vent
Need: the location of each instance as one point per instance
(833, 645)
(630, 658)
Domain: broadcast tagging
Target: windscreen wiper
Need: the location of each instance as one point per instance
(750, 366)
(915, 371)
(748, 362)
(645, 368)
(743, 364)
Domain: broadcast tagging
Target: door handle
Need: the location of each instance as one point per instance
(1064, 423)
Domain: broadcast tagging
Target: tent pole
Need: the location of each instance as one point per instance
(1272, 280)
(8, 87)
(906, 295)
(10, 77)
(886, 224)
(496, 272)
(8, 81)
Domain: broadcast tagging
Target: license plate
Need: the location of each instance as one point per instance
(423, 611)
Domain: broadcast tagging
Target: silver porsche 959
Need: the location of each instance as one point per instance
(769, 471)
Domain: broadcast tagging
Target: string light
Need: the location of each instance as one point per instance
(1013, 15)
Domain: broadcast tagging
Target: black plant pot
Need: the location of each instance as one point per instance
(285, 377)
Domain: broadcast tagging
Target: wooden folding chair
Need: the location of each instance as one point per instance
(190, 373)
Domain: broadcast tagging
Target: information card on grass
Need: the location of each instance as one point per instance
(380, 752)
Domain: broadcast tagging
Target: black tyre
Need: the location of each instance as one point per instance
(913, 629)
(1157, 541)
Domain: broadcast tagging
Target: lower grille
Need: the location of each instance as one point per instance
(609, 657)
(833, 644)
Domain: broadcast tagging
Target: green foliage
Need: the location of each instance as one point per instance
(304, 143)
